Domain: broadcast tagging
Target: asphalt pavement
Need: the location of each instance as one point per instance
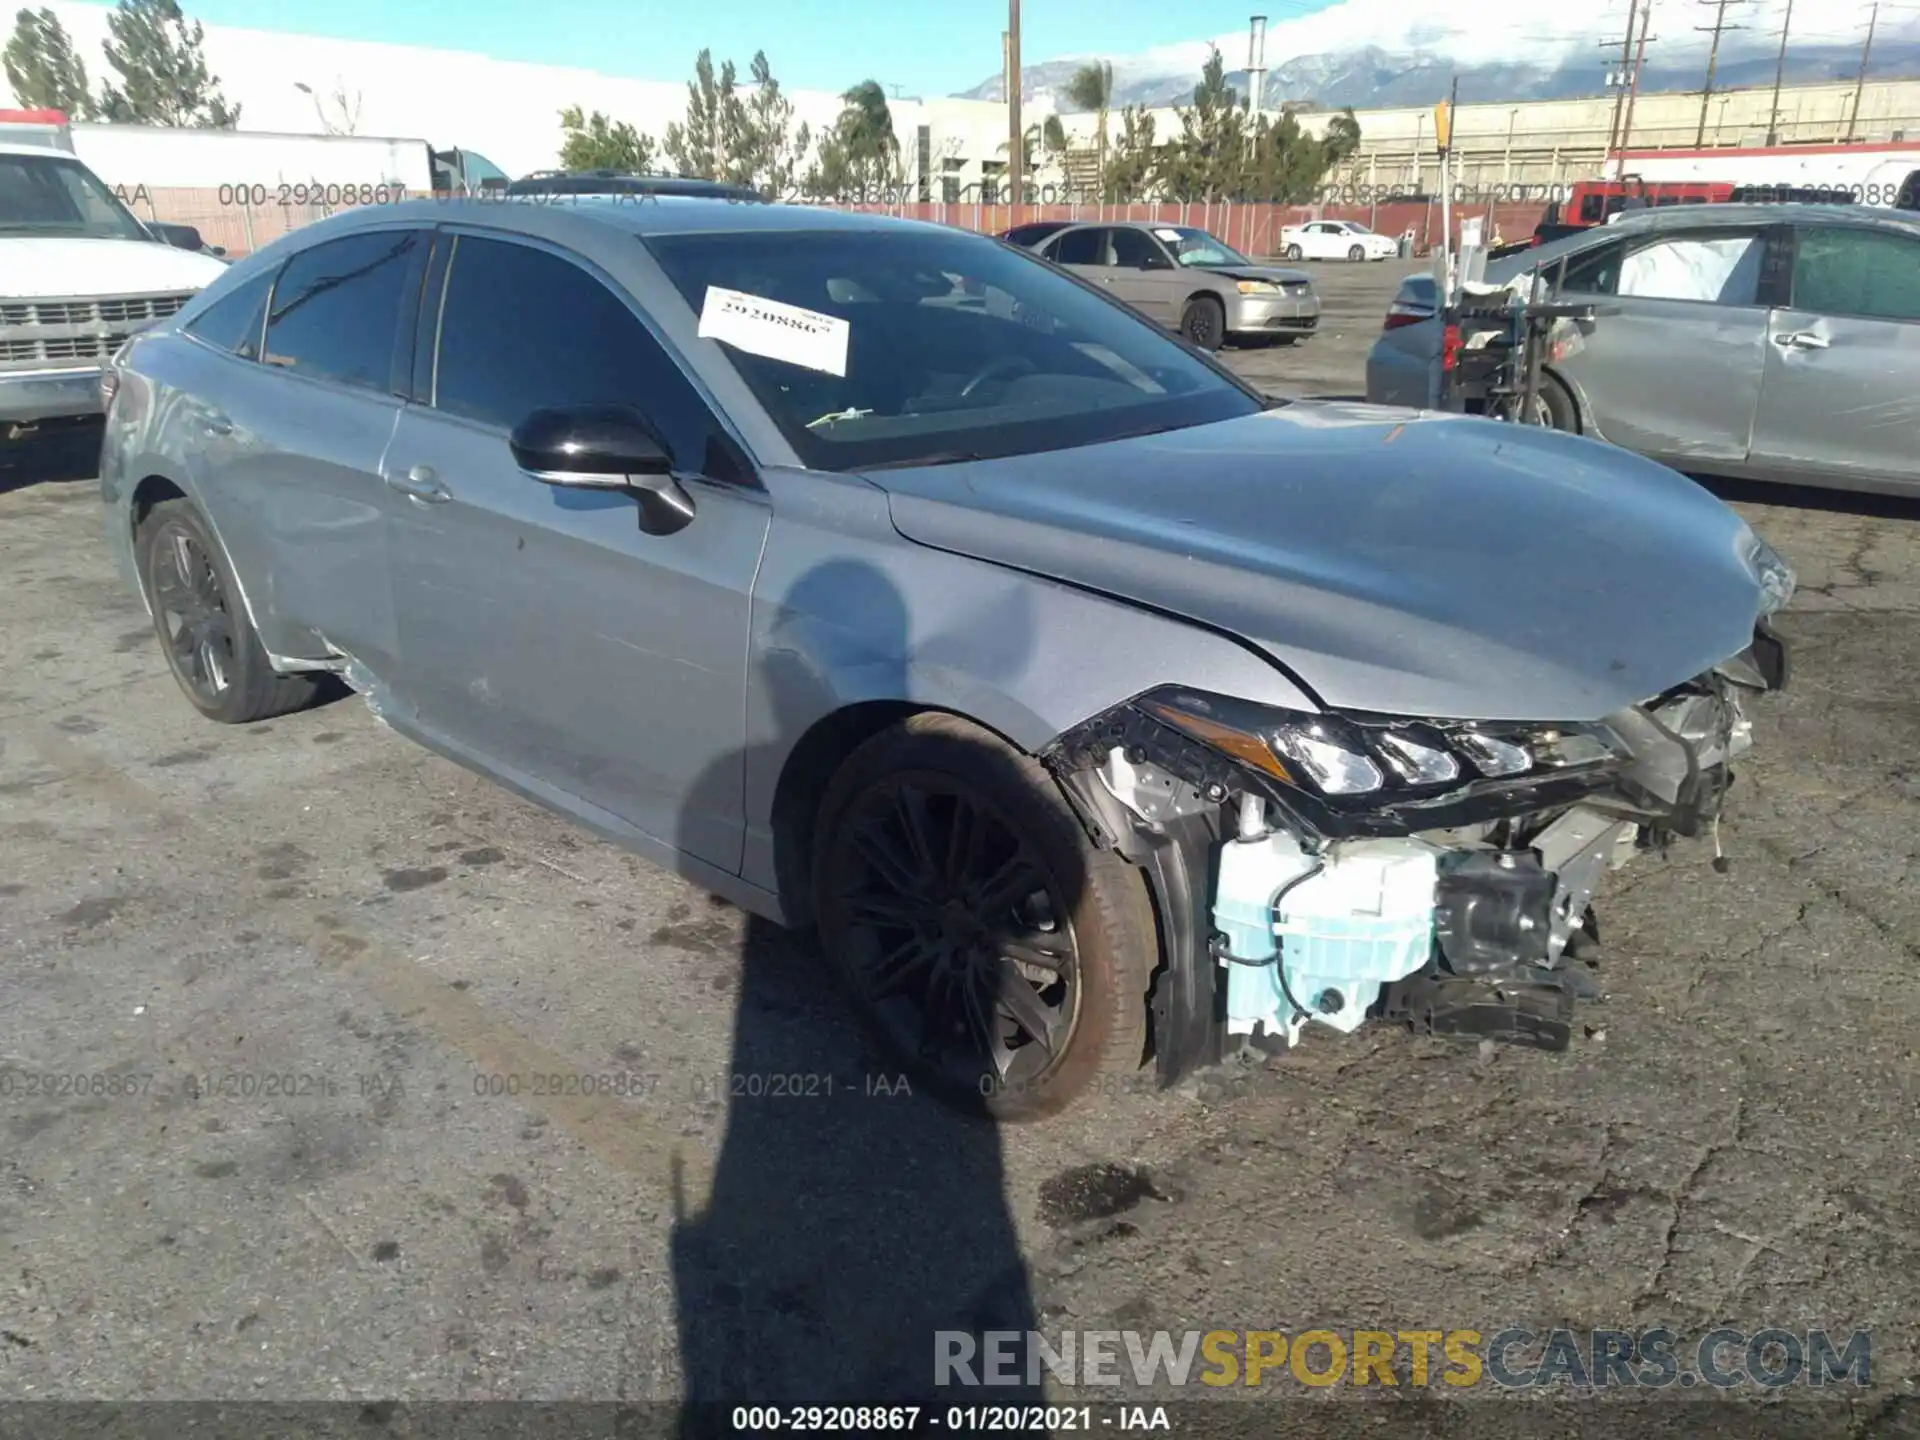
(329, 1071)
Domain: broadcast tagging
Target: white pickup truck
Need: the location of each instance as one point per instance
(78, 275)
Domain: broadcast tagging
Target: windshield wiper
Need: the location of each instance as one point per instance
(936, 457)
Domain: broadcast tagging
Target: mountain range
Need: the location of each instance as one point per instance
(1382, 53)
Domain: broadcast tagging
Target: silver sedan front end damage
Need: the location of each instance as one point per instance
(1319, 870)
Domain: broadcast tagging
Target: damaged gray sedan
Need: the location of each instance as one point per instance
(1099, 713)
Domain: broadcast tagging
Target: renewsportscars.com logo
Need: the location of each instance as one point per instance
(1516, 1358)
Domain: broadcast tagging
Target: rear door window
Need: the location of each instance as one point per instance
(1871, 274)
(234, 321)
(1079, 247)
(343, 310)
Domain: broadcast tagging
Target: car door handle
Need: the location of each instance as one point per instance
(420, 483)
(214, 423)
(1802, 340)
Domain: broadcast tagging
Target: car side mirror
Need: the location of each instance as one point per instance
(604, 447)
(181, 237)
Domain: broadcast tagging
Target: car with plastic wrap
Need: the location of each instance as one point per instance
(78, 275)
(1098, 712)
(1758, 342)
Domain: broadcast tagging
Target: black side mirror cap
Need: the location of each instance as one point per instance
(594, 447)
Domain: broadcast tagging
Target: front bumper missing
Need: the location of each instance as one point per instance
(1514, 937)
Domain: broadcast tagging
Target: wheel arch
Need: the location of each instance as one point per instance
(809, 769)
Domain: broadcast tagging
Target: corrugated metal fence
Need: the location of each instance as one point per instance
(242, 219)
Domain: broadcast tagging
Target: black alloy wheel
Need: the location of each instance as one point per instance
(1204, 322)
(992, 951)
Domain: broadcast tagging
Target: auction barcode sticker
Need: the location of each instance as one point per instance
(778, 331)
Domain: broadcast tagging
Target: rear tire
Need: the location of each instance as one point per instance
(1294, 252)
(1204, 322)
(992, 950)
(1557, 405)
(204, 632)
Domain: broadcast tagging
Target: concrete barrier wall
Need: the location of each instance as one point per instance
(243, 221)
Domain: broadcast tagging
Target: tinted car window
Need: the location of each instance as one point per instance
(896, 347)
(1032, 234)
(233, 321)
(1078, 247)
(1135, 250)
(523, 329)
(338, 308)
(1595, 272)
(1868, 273)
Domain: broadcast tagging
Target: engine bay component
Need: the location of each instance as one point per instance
(1315, 936)
(1493, 910)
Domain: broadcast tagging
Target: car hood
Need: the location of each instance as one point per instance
(1394, 561)
(1277, 274)
(39, 266)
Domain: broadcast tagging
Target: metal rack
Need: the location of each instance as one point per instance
(1504, 375)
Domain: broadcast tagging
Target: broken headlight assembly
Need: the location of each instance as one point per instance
(1347, 762)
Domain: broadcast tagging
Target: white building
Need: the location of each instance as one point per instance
(508, 111)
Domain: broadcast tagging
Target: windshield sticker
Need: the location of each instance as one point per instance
(780, 332)
(1168, 235)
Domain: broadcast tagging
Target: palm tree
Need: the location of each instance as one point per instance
(1342, 138)
(1091, 88)
(867, 124)
(1053, 135)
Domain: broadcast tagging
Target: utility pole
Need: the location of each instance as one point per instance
(1779, 75)
(1256, 67)
(1016, 140)
(1620, 93)
(1633, 88)
(1713, 60)
(1860, 85)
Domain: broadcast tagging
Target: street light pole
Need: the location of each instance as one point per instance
(1860, 85)
(1779, 75)
(1016, 140)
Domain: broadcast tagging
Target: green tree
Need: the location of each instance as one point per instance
(860, 157)
(595, 142)
(698, 148)
(163, 76)
(1131, 165)
(762, 148)
(1209, 158)
(42, 69)
(1091, 88)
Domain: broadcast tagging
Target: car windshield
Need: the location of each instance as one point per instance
(1197, 247)
(903, 347)
(52, 195)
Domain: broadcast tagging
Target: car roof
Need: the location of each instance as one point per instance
(634, 214)
(8, 148)
(612, 182)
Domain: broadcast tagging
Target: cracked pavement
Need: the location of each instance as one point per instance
(1731, 1140)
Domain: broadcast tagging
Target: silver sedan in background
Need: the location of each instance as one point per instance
(883, 579)
(1768, 342)
(1184, 279)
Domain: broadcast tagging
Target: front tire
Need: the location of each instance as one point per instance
(1204, 322)
(204, 632)
(1357, 254)
(991, 949)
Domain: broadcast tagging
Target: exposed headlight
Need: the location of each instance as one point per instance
(1340, 757)
(1257, 287)
(1774, 576)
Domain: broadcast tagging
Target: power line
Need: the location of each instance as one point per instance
(1718, 27)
